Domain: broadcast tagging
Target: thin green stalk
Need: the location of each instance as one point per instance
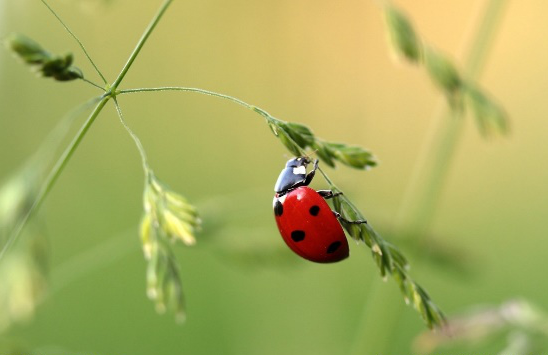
(195, 90)
(256, 109)
(76, 39)
(141, 42)
(92, 83)
(54, 174)
(134, 137)
(52, 142)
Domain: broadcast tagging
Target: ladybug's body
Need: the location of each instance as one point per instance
(305, 221)
(309, 227)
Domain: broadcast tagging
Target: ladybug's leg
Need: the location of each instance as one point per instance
(311, 174)
(340, 217)
(328, 194)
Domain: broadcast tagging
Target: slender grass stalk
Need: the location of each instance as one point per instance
(195, 90)
(438, 156)
(77, 40)
(92, 83)
(53, 140)
(265, 114)
(134, 137)
(141, 42)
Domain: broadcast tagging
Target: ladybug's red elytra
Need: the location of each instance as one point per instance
(305, 220)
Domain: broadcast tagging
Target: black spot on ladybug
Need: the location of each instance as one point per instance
(314, 210)
(278, 208)
(333, 247)
(298, 235)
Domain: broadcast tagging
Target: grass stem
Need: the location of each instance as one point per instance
(195, 90)
(92, 83)
(134, 137)
(256, 109)
(141, 42)
(77, 41)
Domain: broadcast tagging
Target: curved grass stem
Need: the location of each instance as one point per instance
(198, 91)
(134, 137)
(256, 109)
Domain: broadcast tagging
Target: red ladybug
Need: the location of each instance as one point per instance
(306, 222)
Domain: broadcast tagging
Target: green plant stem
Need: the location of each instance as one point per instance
(54, 174)
(256, 109)
(92, 83)
(135, 139)
(141, 42)
(77, 40)
(182, 88)
(369, 337)
(195, 90)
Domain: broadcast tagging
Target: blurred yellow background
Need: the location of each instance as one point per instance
(325, 64)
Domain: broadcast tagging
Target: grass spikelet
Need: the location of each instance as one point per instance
(167, 218)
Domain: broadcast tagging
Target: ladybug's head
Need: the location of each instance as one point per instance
(298, 162)
(293, 175)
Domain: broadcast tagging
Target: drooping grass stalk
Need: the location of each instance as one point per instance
(135, 138)
(254, 108)
(198, 91)
(71, 148)
(437, 156)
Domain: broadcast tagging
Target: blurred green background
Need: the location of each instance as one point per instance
(322, 63)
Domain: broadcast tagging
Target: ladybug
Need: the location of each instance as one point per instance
(305, 220)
